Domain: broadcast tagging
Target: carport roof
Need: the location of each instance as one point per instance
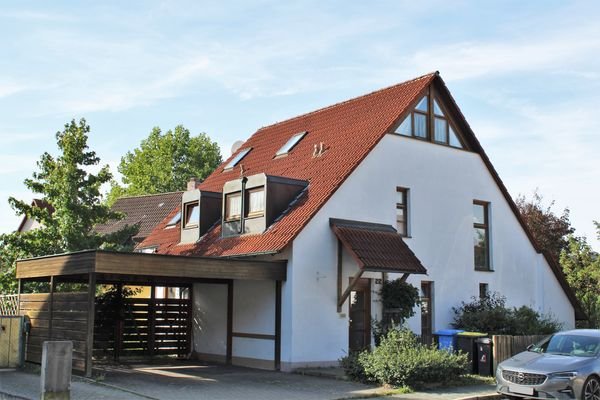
(117, 266)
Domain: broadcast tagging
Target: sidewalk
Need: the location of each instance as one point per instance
(191, 382)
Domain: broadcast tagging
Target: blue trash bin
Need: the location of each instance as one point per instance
(446, 339)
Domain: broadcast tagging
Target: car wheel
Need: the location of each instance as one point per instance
(591, 389)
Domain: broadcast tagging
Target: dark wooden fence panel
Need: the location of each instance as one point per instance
(62, 316)
(144, 328)
(506, 346)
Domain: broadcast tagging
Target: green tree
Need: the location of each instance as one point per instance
(549, 229)
(581, 266)
(165, 162)
(74, 193)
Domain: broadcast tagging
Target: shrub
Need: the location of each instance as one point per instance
(400, 360)
(353, 368)
(490, 315)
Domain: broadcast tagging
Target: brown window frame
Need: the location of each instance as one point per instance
(256, 213)
(403, 206)
(227, 197)
(187, 207)
(484, 290)
(486, 227)
(430, 116)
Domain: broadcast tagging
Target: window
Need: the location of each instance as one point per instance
(192, 214)
(233, 206)
(483, 290)
(174, 220)
(481, 239)
(290, 144)
(241, 154)
(256, 201)
(402, 211)
(433, 125)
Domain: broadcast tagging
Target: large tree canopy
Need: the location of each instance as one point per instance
(582, 268)
(549, 229)
(165, 162)
(74, 193)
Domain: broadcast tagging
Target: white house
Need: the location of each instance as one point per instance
(393, 182)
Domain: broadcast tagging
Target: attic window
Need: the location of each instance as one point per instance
(192, 214)
(233, 206)
(290, 144)
(428, 121)
(174, 220)
(241, 154)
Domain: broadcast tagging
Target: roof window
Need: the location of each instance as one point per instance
(290, 144)
(241, 154)
(174, 220)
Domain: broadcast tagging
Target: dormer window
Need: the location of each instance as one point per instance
(235, 160)
(256, 201)
(192, 215)
(429, 121)
(233, 206)
(174, 220)
(290, 144)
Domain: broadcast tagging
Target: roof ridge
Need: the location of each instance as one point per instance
(428, 75)
(149, 195)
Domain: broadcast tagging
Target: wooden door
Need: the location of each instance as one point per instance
(360, 315)
(427, 312)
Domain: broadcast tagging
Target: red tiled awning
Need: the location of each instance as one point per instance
(376, 247)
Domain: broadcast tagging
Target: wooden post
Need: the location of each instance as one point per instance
(50, 307)
(229, 353)
(277, 325)
(89, 348)
(353, 282)
(339, 274)
(118, 332)
(152, 320)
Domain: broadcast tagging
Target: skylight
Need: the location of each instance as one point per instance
(174, 220)
(241, 154)
(289, 145)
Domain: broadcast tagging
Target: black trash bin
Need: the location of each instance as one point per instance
(465, 342)
(484, 356)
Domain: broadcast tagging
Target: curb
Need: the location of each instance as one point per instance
(493, 396)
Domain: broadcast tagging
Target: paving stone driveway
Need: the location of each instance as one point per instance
(201, 381)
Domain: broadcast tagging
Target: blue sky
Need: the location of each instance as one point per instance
(525, 74)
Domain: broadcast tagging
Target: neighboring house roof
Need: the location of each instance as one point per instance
(147, 211)
(349, 131)
(39, 203)
(376, 247)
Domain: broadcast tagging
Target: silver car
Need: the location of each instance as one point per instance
(565, 365)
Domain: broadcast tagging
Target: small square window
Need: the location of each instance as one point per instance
(256, 201)
(233, 206)
(484, 290)
(192, 215)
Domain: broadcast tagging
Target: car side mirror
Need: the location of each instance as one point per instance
(529, 347)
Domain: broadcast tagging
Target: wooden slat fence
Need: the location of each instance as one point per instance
(506, 346)
(9, 304)
(145, 328)
(65, 320)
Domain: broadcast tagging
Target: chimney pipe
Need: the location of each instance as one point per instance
(191, 185)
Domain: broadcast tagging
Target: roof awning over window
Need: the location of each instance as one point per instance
(376, 247)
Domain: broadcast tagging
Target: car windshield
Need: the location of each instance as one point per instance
(569, 345)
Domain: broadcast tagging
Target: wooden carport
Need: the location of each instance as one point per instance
(71, 316)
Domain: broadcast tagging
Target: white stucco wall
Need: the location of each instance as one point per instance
(443, 183)
(210, 319)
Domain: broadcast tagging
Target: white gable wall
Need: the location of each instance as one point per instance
(443, 183)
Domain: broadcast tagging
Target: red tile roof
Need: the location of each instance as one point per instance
(376, 247)
(348, 130)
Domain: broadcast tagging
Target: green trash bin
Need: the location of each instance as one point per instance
(465, 342)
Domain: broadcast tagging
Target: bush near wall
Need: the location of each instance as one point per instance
(490, 315)
(401, 360)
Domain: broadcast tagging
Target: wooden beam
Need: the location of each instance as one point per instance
(355, 279)
(277, 325)
(59, 265)
(404, 277)
(339, 273)
(229, 352)
(89, 348)
(51, 306)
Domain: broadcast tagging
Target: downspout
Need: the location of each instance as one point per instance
(242, 205)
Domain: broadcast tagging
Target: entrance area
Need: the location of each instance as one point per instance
(360, 315)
